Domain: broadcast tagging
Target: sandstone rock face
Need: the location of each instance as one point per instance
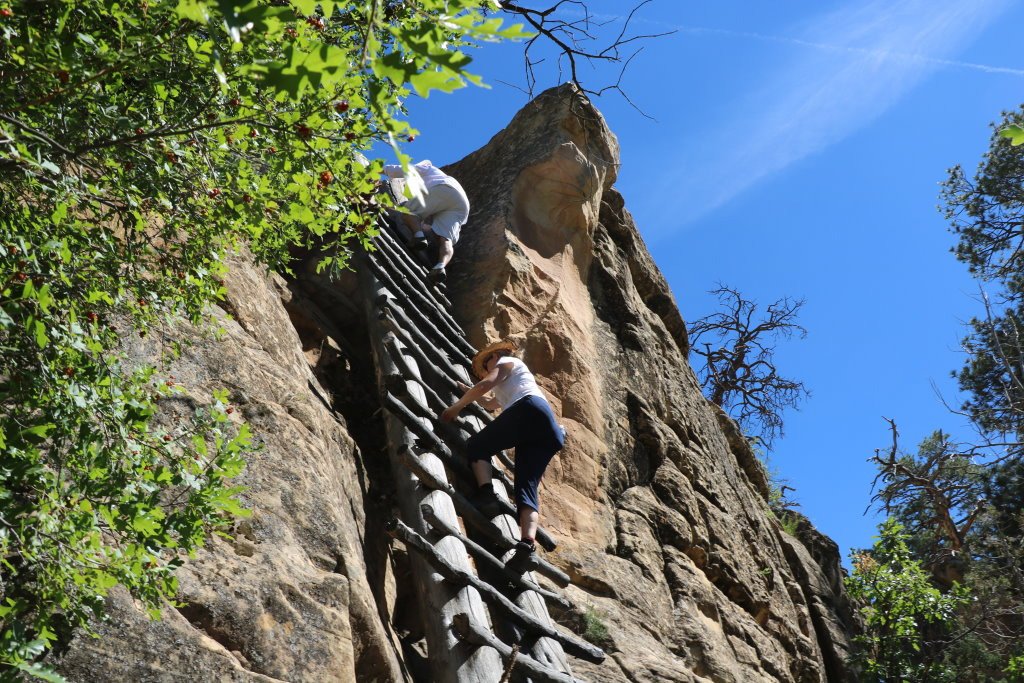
(295, 595)
(657, 502)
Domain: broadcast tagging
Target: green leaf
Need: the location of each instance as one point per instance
(1014, 133)
(41, 672)
(39, 330)
(195, 10)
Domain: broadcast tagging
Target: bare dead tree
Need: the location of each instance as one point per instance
(574, 30)
(739, 372)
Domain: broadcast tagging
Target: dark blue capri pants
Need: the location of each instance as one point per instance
(529, 426)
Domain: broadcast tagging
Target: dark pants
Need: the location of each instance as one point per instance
(529, 426)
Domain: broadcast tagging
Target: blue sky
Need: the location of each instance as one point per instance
(797, 150)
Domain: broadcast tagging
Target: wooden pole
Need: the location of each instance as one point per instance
(482, 555)
(573, 645)
(413, 288)
(435, 372)
(476, 519)
(442, 338)
(468, 630)
(451, 660)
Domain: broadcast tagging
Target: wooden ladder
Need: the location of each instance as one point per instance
(481, 620)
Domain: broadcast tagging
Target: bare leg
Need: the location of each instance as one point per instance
(528, 521)
(445, 250)
(482, 470)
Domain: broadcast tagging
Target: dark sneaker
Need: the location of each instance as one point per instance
(437, 274)
(420, 243)
(522, 558)
(486, 501)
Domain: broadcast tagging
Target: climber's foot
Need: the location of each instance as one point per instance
(486, 501)
(525, 551)
(437, 274)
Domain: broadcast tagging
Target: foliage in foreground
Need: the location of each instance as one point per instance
(139, 144)
(907, 619)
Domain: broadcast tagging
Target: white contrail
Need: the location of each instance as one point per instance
(830, 47)
(878, 53)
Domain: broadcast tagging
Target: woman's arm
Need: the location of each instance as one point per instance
(487, 401)
(477, 391)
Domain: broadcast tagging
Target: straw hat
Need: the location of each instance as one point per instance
(503, 347)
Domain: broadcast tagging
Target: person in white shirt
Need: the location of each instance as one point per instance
(439, 214)
(526, 423)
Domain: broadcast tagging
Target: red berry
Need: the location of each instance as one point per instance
(143, 302)
(272, 150)
(12, 249)
(303, 130)
(211, 116)
(341, 107)
(69, 371)
(326, 177)
(139, 131)
(6, 13)
(246, 198)
(214, 193)
(91, 317)
(167, 437)
(229, 410)
(171, 156)
(63, 76)
(20, 277)
(254, 133)
(315, 22)
(128, 165)
(411, 138)
(290, 32)
(350, 136)
(235, 102)
(38, 280)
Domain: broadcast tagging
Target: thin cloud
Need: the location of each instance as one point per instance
(897, 55)
(875, 53)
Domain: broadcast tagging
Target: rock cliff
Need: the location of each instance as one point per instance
(657, 502)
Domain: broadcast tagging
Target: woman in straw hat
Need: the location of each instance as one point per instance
(526, 423)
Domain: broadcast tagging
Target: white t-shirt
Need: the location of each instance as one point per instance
(431, 175)
(518, 384)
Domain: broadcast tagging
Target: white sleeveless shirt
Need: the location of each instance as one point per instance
(518, 384)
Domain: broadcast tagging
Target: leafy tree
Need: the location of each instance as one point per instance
(738, 371)
(908, 622)
(987, 213)
(140, 143)
(961, 501)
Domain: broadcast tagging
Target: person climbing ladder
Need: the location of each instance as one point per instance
(526, 423)
(440, 213)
